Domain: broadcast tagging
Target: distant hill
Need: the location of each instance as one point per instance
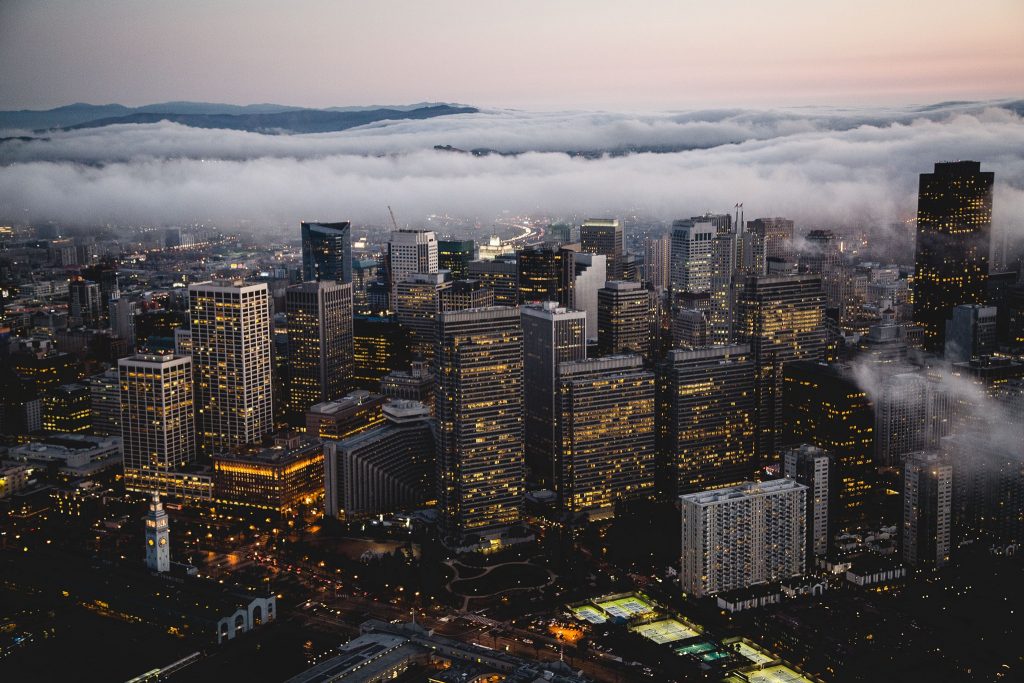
(264, 118)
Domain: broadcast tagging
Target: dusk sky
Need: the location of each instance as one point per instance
(540, 55)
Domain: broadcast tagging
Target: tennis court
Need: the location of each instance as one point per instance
(589, 614)
(626, 608)
(775, 674)
(756, 656)
(665, 631)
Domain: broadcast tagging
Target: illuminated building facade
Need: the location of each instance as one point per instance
(84, 305)
(340, 419)
(67, 409)
(912, 413)
(275, 479)
(157, 419)
(546, 273)
(480, 421)
(231, 363)
(158, 537)
(926, 531)
(782, 319)
(551, 335)
(691, 267)
(327, 252)
(825, 406)
(414, 384)
(417, 303)
(689, 329)
(465, 294)
(954, 225)
(501, 275)
(380, 345)
(777, 234)
(320, 354)
(706, 419)
(605, 236)
(604, 434)
(623, 318)
(812, 467)
(744, 535)
(454, 256)
(657, 261)
(410, 251)
(388, 468)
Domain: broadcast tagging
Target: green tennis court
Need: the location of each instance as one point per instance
(665, 631)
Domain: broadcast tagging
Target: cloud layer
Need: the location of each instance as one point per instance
(823, 168)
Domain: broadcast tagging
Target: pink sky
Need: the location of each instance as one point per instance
(528, 54)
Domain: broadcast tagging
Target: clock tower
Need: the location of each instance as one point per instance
(158, 549)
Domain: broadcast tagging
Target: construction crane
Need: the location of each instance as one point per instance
(393, 221)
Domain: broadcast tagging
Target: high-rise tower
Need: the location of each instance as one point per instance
(327, 251)
(954, 224)
(320, 349)
(605, 236)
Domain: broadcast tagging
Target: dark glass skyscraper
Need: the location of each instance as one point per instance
(454, 256)
(327, 251)
(954, 225)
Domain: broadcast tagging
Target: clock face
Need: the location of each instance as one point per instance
(163, 541)
(151, 541)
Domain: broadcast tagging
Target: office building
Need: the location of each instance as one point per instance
(824, 406)
(276, 479)
(546, 273)
(912, 413)
(157, 419)
(501, 275)
(689, 329)
(414, 384)
(559, 232)
(386, 469)
(480, 421)
(927, 511)
(822, 252)
(605, 236)
(812, 467)
(954, 225)
(327, 252)
(320, 354)
(66, 409)
(691, 265)
(454, 256)
(726, 261)
(657, 261)
(783, 319)
(231, 363)
(551, 335)
(742, 536)
(340, 419)
(410, 251)
(105, 403)
(84, 307)
(971, 331)
(604, 434)
(121, 313)
(590, 277)
(465, 294)
(380, 345)
(706, 419)
(417, 303)
(988, 484)
(777, 234)
(623, 318)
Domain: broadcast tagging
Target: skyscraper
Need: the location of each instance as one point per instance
(954, 224)
(84, 307)
(465, 294)
(605, 236)
(551, 335)
(971, 331)
(812, 467)
(454, 256)
(927, 510)
(706, 419)
(590, 278)
(691, 267)
(417, 303)
(327, 251)
(657, 260)
(410, 251)
(743, 535)
(480, 421)
(604, 425)
(777, 234)
(912, 413)
(546, 273)
(623, 318)
(500, 274)
(231, 363)
(157, 419)
(320, 350)
(783, 319)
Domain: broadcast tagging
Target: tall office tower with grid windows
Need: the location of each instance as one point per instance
(706, 419)
(327, 251)
(927, 510)
(777, 234)
(743, 535)
(623, 318)
(418, 300)
(479, 404)
(812, 467)
(157, 419)
(546, 273)
(605, 236)
(231, 363)
(551, 335)
(692, 244)
(604, 427)
(320, 351)
(783, 319)
(410, 251)
(454, 256)
(954, 226)
(657, 261)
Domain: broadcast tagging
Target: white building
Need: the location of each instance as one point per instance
(692, 245)
(591, 274)
(811, 466)
(743, 535)
(410, 251)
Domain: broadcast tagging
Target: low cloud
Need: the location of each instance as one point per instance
(824, 168)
